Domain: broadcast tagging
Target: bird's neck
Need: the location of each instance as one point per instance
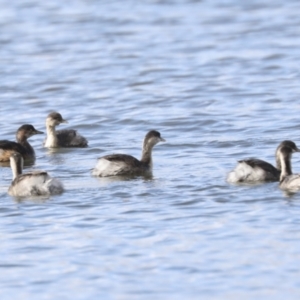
(286, 168)
(21, 139)
(16, 168)
(147, 154)
(51, 140)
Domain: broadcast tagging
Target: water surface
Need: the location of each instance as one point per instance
(220, 81)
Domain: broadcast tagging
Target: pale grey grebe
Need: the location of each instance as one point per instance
(35, 183)
(288, 180)
(21, 146)
(61, 138)
(255, 170)
(122, 164)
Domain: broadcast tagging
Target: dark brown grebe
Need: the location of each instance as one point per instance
(288, 180)
(61, 138)
(21, 146)
(36, 183)
(255, 170)
(122, 164)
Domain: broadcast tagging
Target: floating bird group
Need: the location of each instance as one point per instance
(40, 183)
(256, 170)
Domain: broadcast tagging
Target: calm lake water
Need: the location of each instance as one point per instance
(220, 81)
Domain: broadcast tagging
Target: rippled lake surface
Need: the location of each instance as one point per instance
(220, 81)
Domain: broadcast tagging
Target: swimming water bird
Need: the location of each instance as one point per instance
(255, 170)
(21, 146)
(61, 138)
(35, 183)
(288, 180)
(122, 164)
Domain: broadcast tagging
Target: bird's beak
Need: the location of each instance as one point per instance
(162, 140)
(64, 121)
(38, 132)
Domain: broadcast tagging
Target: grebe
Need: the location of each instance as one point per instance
(61, 138)
(288, 180)
(122, 164)
(255, 170)
(21, 146)
(35, 183)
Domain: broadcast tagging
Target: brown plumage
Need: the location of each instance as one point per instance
(253, 169)
(123, 164)
(35, 183)
(62, 138)
(22, 146)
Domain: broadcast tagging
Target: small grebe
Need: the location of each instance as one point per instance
(122, 164)
(288, 180)
(61, 138)
(254, 170)
(35, 183)
(21, 146)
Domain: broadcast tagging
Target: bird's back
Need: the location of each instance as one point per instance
(36, 183)
(290, 182)
(119, 164)
(9, 147)
(70, 138)
(252, 170)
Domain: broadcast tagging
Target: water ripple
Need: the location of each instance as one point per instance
(219, 80)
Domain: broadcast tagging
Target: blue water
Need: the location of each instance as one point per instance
(220, 81)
